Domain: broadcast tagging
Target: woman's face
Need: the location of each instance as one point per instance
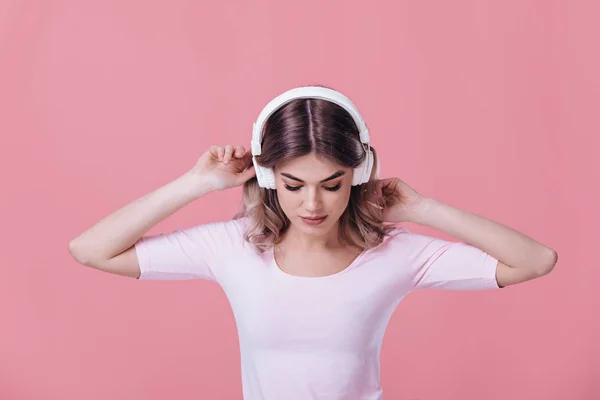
(308, 187)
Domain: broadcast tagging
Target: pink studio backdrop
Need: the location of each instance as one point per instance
(488, 106)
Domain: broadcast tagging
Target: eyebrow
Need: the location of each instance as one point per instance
(335, 175)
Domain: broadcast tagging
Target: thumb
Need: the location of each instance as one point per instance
(246, 174)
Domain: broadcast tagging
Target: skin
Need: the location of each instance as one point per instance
(308, 196)
(109, 244)
(520, 257)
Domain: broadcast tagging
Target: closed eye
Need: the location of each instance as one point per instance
(334, 188)
(329, 188)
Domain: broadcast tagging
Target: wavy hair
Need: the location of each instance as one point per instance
(301, 127)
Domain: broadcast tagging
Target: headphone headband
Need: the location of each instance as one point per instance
(265, 176)
(301, 93)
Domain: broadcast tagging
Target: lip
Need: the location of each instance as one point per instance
(313, 220)
(319, 217)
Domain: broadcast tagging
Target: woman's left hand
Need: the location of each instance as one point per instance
(397, 200)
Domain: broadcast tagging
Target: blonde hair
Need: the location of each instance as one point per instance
(323, 128)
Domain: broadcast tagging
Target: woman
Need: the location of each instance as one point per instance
(314, 264)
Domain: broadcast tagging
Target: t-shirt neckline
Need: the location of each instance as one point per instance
(281, 272)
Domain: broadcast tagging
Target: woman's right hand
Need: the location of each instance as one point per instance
(223, 167)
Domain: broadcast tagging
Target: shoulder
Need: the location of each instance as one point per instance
(414, 244)
(228, 225)
(397, 234)
(228, 230)
(392, 238)
(218, 239)
(400, 241)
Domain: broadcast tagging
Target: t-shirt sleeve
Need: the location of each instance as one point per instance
(196, 252)
(434, 263)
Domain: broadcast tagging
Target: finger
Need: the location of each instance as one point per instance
(220, 152)
(228, 153)
(247, 174)
(375, 205)
(247, 157)
(239, 151)
(214, 151)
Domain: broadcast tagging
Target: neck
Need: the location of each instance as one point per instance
(295, 239)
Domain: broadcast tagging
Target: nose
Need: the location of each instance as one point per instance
(312, 201)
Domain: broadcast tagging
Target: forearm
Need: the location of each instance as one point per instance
(500, 241)
(120, 230)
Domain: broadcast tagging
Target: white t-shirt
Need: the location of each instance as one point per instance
(313, 337)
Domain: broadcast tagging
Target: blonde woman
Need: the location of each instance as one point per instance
(315, 263)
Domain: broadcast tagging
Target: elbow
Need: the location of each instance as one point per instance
(76, 253)
(550, 261)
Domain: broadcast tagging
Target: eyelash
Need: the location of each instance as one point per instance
(296, 188)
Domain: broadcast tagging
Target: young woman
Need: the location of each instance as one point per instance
(315, 263)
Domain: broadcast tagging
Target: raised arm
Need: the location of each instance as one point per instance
(109, 244)
(520, 257)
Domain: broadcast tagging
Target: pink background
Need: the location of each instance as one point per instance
(490, 106)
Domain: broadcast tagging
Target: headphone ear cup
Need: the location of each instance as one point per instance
(362, 173)
(357, 175)
(369, 167)
(257, 171)
(269, 178)
(264, 176)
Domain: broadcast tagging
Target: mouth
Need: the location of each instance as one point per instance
(313, 220)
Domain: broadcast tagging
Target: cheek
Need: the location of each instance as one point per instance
(287, 199)
(340, 200)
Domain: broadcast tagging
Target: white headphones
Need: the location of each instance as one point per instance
(265, 176)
